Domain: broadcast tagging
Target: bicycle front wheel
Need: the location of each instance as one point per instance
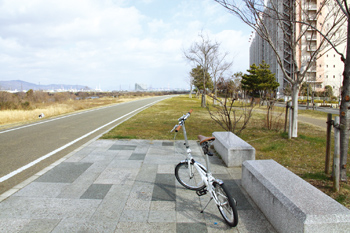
(188, 176)
(226, 204)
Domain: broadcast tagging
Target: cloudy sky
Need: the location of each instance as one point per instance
(112, 43)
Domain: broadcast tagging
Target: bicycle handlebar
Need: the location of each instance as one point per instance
(181, 121)
(178, 128)
(184, 117)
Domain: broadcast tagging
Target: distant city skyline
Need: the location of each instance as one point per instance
(19, 86)
(22, 86)
(112, 44)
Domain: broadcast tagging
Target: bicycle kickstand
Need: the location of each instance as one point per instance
(211, 198)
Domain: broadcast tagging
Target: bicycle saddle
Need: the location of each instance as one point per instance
(202, 139)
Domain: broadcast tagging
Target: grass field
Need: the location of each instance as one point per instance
(304, 155)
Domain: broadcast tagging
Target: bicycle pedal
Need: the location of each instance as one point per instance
(201, 192)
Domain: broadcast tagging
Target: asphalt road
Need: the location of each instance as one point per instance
(334, 111)
(315, 121)
(28, 149)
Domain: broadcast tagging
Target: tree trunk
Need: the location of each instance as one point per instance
(215, 94)
(295, 93)
(268, 118)
(203, 103)
(336, 163)
(190, 95)
(344, 114)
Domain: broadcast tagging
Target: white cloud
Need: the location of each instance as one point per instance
(236, 43)
(157, 25)
(107, 42)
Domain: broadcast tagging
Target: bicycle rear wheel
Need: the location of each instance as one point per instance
(226, 206)
(188, 176)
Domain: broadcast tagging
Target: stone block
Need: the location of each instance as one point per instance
(290, 203)
(233, 150)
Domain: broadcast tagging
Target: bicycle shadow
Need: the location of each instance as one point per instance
(188, 205)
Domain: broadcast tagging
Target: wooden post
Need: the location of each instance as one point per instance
(336, 158)
(328, 145)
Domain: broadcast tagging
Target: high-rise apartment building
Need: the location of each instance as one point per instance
(325, 69)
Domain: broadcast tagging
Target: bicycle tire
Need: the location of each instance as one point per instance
(193, 182)
(226, 206)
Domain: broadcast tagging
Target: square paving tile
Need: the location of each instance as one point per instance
(64, 173)
(96, 191)
(137, 156)
(162, 216)
(168, 144)
(122, 147)
(164, 188)
(134, 216)
(191, 228)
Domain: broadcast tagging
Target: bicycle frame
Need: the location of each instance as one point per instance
(207, 176)
(216, 188)
(189, 152)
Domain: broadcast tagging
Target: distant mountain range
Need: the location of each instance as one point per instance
(25, 86)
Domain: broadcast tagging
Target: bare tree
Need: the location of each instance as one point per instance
(296, 24)
(345, 94)
(218, 67)
(293, 23)
(203, 53)
(189, 80)
(237, 78)
(231, 118)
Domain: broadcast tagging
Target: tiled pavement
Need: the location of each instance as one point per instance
(123, 186)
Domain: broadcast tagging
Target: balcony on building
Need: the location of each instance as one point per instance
(312, 7)
(286, 14)
(288, 32)
(311, 29)
(311, 38)
(311, 18)
(312, 23)
(287, 23)
(287, 51)
(311, 48)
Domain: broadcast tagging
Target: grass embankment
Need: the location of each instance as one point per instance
(56, 109)
(304, 155)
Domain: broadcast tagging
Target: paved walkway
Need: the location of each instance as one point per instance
(122, 186)
(321, 123)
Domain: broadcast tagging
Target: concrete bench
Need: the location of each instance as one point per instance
(233, 150)
(290, 203)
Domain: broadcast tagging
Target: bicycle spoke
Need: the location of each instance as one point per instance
(226, 204)
(189, 179)
(223, 203)
(229, 209)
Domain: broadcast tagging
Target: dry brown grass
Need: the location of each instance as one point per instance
(9, 117)
(18, 116)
